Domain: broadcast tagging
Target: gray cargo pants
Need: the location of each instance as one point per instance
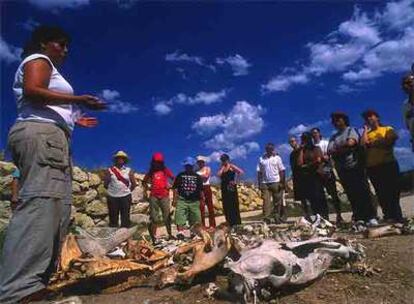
(272, 200)
(32, 243)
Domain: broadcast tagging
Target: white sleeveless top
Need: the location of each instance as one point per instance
(201, 172)
(64, 115)
(116, 188)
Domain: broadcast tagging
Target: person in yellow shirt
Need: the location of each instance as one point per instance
(381, 164)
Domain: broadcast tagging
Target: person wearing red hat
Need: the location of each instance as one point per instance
(157, 180)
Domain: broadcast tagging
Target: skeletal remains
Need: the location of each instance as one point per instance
(266, 258)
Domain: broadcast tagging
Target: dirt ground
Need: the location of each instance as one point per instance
(392, 256)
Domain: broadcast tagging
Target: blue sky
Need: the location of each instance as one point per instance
(202, 78)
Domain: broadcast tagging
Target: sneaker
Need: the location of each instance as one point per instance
(372, 222)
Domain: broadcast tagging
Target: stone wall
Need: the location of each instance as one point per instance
(89, 198)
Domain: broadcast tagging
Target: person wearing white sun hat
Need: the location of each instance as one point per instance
(119, 182)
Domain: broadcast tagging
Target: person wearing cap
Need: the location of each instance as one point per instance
(344, 149)
(119, 182)
(205, 172)
(408, 107)
(188, 191)
(271, 181)
(382, 166)
(158, 178)
(229, 174)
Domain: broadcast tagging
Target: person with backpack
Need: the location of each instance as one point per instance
(120, 182)
(344, 148)
(159, 178)
(382, 166)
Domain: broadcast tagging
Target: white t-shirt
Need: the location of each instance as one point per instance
(64, 115)
(323, 144)
(270, 168)
(116, 188)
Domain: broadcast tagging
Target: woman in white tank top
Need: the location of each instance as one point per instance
(39, 145)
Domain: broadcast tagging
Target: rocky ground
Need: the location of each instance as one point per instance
(393, 256)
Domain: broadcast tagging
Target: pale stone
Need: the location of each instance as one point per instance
(83, 220)
(94, 179)
(137, 195)
(79, 175)
(76, 188)
(6, 168)
(96, 208)
(84, 186)
(83, 199)
(141, 207)
(140, 219)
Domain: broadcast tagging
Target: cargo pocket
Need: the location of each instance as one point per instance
(54, 153)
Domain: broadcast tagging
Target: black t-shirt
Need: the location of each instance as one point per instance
(189, 185)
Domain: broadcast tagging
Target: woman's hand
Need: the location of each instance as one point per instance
(87, 122)
(92, 102)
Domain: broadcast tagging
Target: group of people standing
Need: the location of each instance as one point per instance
(355, 157)
(39, 142)
(192, 193)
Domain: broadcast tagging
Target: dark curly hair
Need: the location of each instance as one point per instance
(44, 34)
(338, 115)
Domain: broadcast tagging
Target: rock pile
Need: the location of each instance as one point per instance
(89, 198)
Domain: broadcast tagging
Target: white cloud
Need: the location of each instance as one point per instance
(403, 133)
(362, 48)
(30, 24)
(165, 106)
(229, 133)
(115, 104)
(207, 97)
(284, 82)
(177, 56)
(8, 52)
(299, 129)
(207, 124)
(126, 4)
(161, 108)
(399, 14)
(405, 157)
(394, 55)
(283, 149)
(58, 4)
(237, 152)
(346, 89)
(239, 65)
